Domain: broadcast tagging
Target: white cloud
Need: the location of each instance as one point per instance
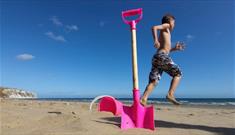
(55, 37)
(189, 37)
(66, 28)
(72, 27)
(102, 23)
(25, 57)
(56, 21)
(40, 25)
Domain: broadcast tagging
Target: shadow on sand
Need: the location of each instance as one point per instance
(167, 124)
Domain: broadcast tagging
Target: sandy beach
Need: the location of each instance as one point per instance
(33, 117)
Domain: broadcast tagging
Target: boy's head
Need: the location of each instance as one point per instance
(170, 19)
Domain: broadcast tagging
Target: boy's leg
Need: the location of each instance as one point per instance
(173, 70)
(149, 88)
(154, 78)
(174, 83)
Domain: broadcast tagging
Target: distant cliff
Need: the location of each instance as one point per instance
(15, 93)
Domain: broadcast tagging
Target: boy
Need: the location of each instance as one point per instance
(161, 61)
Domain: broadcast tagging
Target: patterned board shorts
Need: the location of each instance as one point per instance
(162, 62)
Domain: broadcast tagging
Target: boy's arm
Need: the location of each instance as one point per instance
(178, 47)
(154, 32)
(173, 49)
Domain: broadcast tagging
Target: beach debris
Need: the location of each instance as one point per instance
(158, 108)
(22, 104)
(73, 113)
(191, 114)
(51, 103)
(169, 109)
(223, 112)
(67, 103)
(56, 112)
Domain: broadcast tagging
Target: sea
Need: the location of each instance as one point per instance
(160, 101)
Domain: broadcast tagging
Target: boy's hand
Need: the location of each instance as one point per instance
(156, 44)
(179, 46)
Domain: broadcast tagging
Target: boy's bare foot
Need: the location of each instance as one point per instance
(172, 100)
(143, 102)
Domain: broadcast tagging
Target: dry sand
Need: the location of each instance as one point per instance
(31, 117)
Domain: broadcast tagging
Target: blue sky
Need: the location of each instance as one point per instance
(82, 48)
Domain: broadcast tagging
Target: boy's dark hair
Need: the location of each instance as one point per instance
(167, 17)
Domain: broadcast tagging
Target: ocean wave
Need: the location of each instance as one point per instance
(196, 103)
(231, 103)
(212, 102)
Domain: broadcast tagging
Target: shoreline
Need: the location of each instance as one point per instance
(214, 106)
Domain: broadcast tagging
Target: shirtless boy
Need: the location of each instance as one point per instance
(161, 61)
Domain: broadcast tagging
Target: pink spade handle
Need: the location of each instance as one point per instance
(132, 12)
